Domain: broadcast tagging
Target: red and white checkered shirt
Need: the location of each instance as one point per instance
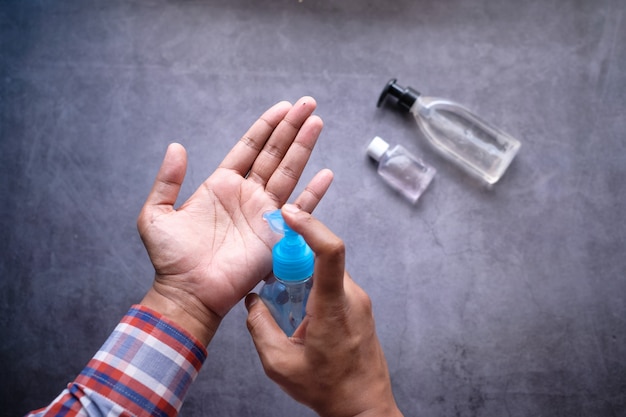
(143, 369)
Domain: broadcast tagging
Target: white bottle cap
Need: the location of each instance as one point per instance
(377, 148)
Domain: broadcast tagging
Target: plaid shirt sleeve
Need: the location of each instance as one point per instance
(143, 369)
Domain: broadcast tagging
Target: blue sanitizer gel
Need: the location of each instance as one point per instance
(287, 291)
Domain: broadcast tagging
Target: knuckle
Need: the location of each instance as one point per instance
(335, 247)
(273, 196)
(250, 142)
(255, 319)
(364, 303)
(313, 193)
(365, 300)
(289, 172)
(273, 151)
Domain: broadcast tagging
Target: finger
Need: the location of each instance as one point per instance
(315, 190)
(267, 336)
(244, 153)
(329, 254)
(280, 140)
(285, 178)
(169, 179)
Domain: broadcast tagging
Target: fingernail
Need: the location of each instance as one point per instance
(291, 208)
(251, 300)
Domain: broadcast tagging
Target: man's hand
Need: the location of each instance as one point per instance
(213, 249)
(333, 363)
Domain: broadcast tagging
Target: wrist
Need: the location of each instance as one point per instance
(390, 410)
(381, 410)
(355, 407)
(375, 399)
(175, 306)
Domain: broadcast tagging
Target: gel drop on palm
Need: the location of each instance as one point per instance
(287, 291)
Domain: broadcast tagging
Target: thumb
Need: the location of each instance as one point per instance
(282, 357)
(267, 336)
(170, 177)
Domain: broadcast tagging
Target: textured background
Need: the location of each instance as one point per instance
(501, 302)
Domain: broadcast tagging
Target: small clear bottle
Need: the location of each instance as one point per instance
(287, 291)
(478, 147)
(403, 171)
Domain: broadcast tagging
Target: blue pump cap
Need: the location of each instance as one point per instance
(292, 258)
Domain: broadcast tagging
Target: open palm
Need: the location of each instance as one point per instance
(213, 249)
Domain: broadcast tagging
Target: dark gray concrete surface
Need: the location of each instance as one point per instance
(501, 302)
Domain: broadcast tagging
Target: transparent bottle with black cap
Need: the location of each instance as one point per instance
(287, 291)
(475, 145)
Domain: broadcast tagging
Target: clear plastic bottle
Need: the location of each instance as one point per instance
(475, 145)
(400, 169)
(287, 291)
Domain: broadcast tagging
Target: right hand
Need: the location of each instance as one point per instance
(333, 363)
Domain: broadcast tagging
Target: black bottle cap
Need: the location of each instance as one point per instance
(405, 96)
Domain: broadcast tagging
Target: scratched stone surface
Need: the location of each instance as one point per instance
(509, 301)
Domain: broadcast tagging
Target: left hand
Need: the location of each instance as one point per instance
(211, 251)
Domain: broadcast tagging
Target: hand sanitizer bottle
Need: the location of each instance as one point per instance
(400, 169)
(475, 145)
(287, 291)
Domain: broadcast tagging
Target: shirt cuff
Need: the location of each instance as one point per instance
(146, 365)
